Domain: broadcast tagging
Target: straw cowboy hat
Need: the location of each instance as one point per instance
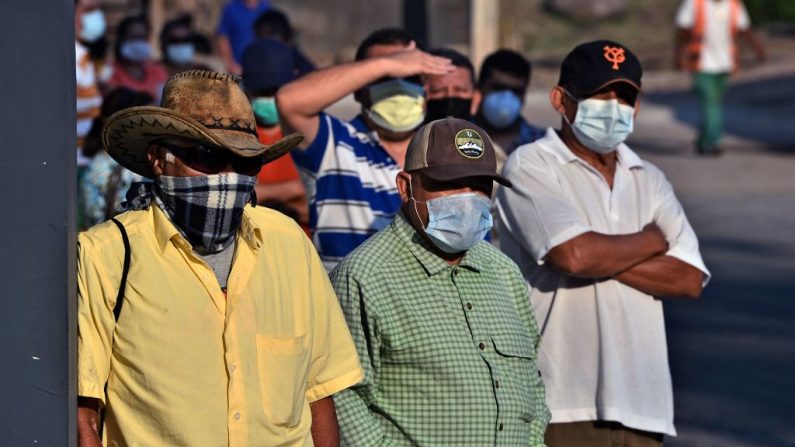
(198, 105)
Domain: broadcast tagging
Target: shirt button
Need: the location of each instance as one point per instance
(501, 427)
(237, 417)
(482, 346)
(496, 384)
(232, 368)
(469, 306)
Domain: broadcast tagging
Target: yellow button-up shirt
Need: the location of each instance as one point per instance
(185, 365)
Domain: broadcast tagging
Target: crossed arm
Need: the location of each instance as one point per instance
(637, 260)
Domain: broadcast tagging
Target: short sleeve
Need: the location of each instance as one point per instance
(535, 211)
(685, 16)
(225, 25)
(95, 321)
(334, 365)
(743, 19)
(670, 217)
(312, 157)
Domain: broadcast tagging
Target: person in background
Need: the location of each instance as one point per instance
(267, 65)
(134, 67)
(350, 167)
(275, 24)
(452, 94)
(105, 182)
(600, 237)
(504, 78)
(441, 319)
(177, 45)
(708, 46)
(230, 332)
(236, 31)
(89, 27)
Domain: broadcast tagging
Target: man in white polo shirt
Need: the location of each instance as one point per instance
(599, 236)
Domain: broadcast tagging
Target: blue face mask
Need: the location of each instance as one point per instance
(92, 26)
(501, 109)
(602, 124)
(180, 53)
(265, 111)
(136, 50)
(457, 222)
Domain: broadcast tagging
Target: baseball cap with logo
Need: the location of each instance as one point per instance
(592, 66)
(451, 149)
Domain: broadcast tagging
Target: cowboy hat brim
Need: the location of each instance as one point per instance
(129, 133)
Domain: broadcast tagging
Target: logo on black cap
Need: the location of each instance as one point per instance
(469, 143)
(615, 55)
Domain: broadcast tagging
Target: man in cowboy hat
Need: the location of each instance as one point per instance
(230, 332)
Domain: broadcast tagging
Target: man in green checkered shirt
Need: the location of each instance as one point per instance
(442, 321)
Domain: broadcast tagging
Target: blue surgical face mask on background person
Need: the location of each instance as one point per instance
(93, 26)
(136, 50)
(397, 105)
(180, 53)
(501, 109)
(602, 124)
(457, 222)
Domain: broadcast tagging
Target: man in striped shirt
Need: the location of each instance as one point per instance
(349, 167)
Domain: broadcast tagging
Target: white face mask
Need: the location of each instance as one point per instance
(602, 124)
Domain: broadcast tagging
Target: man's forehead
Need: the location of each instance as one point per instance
(503, 78)
(380, 49)
(458, 77)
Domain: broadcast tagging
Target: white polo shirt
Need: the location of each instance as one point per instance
(603, 352)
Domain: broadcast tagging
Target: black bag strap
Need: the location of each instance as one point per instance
(124, 271)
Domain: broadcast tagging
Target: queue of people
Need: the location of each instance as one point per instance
(282, 276)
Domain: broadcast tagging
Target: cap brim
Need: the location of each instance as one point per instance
(450, 173)
(129, 133)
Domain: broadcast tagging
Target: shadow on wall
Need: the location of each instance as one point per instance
(757, 110)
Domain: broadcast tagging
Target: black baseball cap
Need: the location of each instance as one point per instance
(268, 64)
(593, 65)
(452, 149)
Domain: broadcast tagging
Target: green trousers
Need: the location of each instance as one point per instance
(710, 88)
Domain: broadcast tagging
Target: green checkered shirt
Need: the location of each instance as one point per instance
(449, 352)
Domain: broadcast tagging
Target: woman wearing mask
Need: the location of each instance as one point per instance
(134, 67)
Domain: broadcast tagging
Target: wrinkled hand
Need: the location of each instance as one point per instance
(656, 236)
(411, 61)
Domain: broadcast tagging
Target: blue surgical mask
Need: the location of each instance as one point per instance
(457, 222)
(93, 26)
(602, 124)
(180, 53)
(136, 50)
(501, 109)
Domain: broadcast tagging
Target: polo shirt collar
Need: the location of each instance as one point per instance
(421, 250)
(552, 143)
(165, 230)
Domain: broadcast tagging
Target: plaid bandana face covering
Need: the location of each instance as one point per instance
(208, 208)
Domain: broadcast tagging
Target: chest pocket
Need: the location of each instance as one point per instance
(283, 364)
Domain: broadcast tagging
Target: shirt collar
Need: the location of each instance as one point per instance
(552, 143)
(166, 231)
(421, 249)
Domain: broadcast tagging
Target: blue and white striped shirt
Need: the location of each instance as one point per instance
(350, 182)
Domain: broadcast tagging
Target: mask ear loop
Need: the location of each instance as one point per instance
(412, 199)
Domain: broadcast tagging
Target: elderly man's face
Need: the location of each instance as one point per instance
(424, 188)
